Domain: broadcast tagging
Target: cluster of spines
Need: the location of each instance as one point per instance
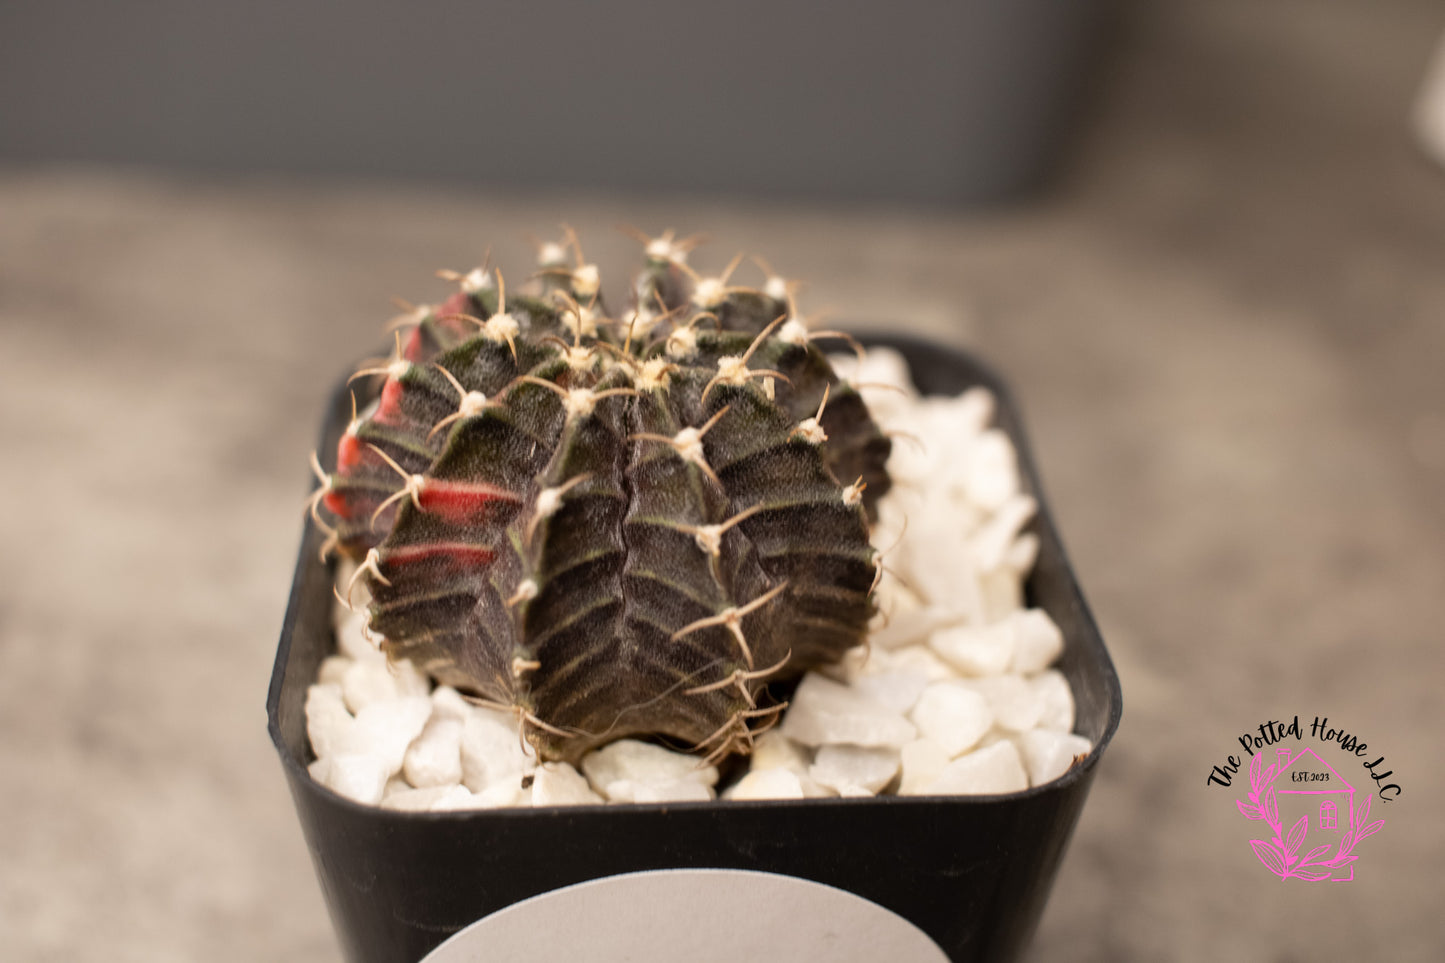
(615, 526)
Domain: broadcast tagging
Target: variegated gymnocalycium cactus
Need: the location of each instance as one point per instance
(614, 526)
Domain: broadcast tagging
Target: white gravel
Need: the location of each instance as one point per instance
(824, 712)
(954, 695)
(952, 716)
(996, 768)
(632, 771)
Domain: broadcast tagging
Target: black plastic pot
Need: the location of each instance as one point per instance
(972, 872)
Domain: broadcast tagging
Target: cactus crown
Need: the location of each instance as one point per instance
(614, 526)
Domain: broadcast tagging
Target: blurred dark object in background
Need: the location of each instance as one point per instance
(960, 101)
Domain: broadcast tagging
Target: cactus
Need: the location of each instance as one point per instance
(613, 527)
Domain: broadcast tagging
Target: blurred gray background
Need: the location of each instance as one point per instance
(926, 100)
(1223, 311)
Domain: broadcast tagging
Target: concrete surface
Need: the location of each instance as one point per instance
(1226, 330)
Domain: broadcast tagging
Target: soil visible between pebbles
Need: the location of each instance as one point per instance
(953, 695)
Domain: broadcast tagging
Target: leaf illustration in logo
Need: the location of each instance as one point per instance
(1347, 842)
(1363, 813)
(1256, 773)
(1315, 853)
(1266, 853)
(1271, 806)
(1313, 875)
(1370, 830)
(1269, 773)
(1248, 811)
(1296, 836)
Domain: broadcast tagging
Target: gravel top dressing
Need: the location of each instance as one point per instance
(952, 694)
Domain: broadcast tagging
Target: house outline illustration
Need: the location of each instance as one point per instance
(1329, 803)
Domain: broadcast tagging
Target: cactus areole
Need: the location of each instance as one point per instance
(613, 526)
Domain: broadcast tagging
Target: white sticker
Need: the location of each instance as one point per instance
(692, 916)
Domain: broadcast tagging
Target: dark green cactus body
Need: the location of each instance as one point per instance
(618, 528)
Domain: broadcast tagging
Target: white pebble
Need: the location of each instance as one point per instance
(898, 689)
(493, 797)
(364, 683)
(452, 798)
(1058, 701)
(952, 715)
(617, 791)
(447, 701)
(424, 800)
(923, 760)
(992, 472)
(502, 794)
(333, 668)
(976, 650)
(643, 764)
(990, 543)
(847, 767)
(1002, 589)
(1015, 704)
(974, 410)
(681, 790)
(558, 784)
(352, 639)
(938, 561)
(1038, 641)
(909, 626)
(410, 681)
(913, 459)
(328, 721)
(1022, 554)
(767, 784)
(892, 525)
(911, 658)
(992, 769)
(492, 750)
(949, 429)
(1048, 755)
(459, 797)
(386, 729)
(773, 750)
(993, 735)
(823, 711)
(881, 366)
(886, 366)
(892, 597)
(435, 758)
(357, 776)
(849, 667)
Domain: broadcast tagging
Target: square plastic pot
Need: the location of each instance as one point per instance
(915, 878)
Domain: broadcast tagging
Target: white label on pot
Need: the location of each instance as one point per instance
(692, 916)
